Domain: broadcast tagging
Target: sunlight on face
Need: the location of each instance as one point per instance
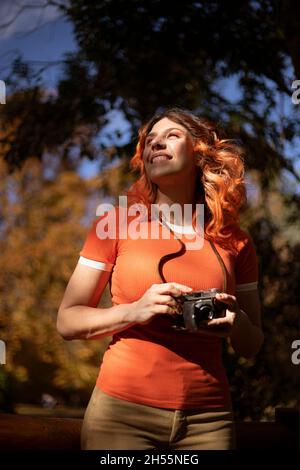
(168, 151)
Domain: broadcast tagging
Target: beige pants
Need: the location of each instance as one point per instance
(113, 424)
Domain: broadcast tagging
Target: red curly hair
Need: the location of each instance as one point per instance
(221, 174)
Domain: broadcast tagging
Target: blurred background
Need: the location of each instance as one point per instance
(81, 76)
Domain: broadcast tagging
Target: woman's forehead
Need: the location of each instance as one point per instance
(165, 124)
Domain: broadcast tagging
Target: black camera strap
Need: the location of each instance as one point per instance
(169, 256)
(182, 250)
(223, 267)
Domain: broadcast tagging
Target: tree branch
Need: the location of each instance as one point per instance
(23, 8)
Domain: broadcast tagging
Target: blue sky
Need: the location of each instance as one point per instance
(37, 34)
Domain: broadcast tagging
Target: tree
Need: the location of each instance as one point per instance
(137, 56)
(42, 228)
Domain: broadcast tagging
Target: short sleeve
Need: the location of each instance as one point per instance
(246, 267)
(100, 248)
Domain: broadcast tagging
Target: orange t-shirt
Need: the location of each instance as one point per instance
(153, 364)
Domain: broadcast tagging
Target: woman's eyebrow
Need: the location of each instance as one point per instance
(166, 130)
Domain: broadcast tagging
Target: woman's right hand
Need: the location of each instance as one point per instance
(157, 300)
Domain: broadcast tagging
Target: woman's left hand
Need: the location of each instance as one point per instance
(223, 326)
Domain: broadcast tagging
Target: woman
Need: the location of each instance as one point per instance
(160, 386)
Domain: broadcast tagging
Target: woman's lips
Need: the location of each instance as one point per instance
(160, 158)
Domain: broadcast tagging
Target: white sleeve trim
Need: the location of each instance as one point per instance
(246, 287)
(95, 264)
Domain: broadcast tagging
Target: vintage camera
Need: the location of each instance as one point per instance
(197, 308)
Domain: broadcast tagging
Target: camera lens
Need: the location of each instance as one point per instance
(203, 312)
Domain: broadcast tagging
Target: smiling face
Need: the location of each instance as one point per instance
(168, 151)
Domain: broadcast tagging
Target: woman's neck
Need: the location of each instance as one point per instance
(173, 197)
(184, 200)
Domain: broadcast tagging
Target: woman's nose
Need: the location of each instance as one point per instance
(158, 142)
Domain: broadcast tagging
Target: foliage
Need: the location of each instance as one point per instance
(138, 56)
(42, 230)
(271, 379)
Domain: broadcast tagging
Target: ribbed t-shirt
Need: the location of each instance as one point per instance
(154, 364)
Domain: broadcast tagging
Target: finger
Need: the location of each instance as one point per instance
(217, 322)
(165, 290)
(228, 299)
(171, 285)
(181, 287)
(173, 288)
(224, 296)
(164, 309)
(166, 299)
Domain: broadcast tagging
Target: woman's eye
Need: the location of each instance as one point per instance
(172, 134)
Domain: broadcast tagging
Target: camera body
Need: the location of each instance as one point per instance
(198, 307)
